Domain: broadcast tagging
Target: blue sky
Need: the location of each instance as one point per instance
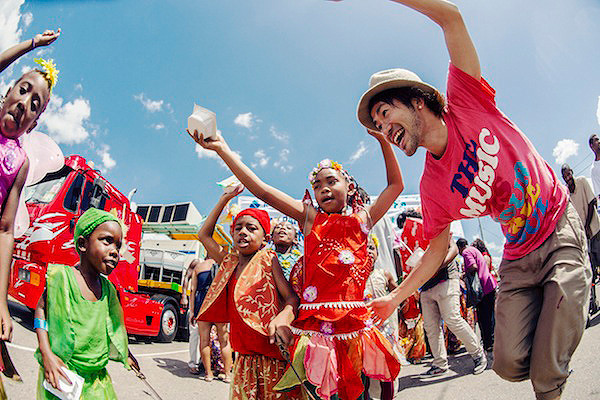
(284, 77)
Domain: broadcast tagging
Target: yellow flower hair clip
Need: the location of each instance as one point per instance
(50, 72)
(375, 239)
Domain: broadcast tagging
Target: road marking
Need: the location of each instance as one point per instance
(161, 354)
(16, 346)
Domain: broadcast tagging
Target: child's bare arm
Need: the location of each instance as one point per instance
(132, 361)
(205, 234)
(41, 39)
(52, 363)
(280, 325)
(193, 287)
(7, 222)
(186, 283)
(427, 266)
(391, 283)
(270, 195)
(394, 177)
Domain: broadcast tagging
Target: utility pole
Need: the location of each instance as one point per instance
(480, 229)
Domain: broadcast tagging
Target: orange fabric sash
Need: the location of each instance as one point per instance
(255, 294)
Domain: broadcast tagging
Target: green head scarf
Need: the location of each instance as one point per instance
(90, 220)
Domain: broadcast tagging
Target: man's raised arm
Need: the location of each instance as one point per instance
(460, 46)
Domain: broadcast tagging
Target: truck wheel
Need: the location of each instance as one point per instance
(168, 324)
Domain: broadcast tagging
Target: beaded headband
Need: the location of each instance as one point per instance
(324, 164)
(50, 72)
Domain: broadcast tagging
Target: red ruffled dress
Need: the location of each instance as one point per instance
(412, 238)
(336, 340)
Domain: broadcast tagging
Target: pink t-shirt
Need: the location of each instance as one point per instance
(489, 168)
(474, 259)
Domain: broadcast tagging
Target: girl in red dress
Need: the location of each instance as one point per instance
(250, 292)
(336, 341)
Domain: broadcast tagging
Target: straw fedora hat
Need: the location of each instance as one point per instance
(384, 80)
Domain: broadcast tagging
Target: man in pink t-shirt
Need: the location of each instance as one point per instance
(479, 163)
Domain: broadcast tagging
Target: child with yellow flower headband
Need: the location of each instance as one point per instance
(336, 342)
(19, 110)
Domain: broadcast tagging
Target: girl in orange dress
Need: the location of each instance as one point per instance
(336, 340)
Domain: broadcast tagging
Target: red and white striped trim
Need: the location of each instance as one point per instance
(339, 336)
(332, 304)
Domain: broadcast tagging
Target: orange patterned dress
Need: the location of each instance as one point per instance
(249, 303)
(336, 341)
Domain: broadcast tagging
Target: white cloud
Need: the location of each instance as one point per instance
(26, 69)
(107, 161)
(204, 153)
(282, 137)
(564, 149)
(245, 120)
(360, 151)
(282, 162)
(262, 158)
(10, 17)
(158, 126)
(79, 87)
(149, 105)
(27, 19)
(66, 123)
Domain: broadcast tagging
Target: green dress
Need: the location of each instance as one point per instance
(84, 334)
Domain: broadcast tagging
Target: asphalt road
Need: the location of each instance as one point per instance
(165, 365)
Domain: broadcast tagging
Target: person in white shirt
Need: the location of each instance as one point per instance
(594, 142)
(585, 201)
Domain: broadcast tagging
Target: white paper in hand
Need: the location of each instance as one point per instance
(204, 121)
(231, 181)
(415, 257)
(66, 392)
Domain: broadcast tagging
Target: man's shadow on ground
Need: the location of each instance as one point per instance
(179, 368)
(460, 364)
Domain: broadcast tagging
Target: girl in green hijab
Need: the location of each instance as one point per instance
(79, 320)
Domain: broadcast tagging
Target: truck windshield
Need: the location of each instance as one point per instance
(45, 191)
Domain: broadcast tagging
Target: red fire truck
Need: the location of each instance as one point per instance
(54, 205)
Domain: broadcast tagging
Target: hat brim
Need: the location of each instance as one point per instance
(364, 114)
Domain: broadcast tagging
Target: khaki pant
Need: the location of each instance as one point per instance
(443, 302)
(541, 309)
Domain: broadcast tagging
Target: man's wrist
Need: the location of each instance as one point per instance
(396, 297)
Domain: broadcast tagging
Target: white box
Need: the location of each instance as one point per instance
(204, 121)
(66, 392)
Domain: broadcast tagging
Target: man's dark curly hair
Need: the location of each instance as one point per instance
(434, 101)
